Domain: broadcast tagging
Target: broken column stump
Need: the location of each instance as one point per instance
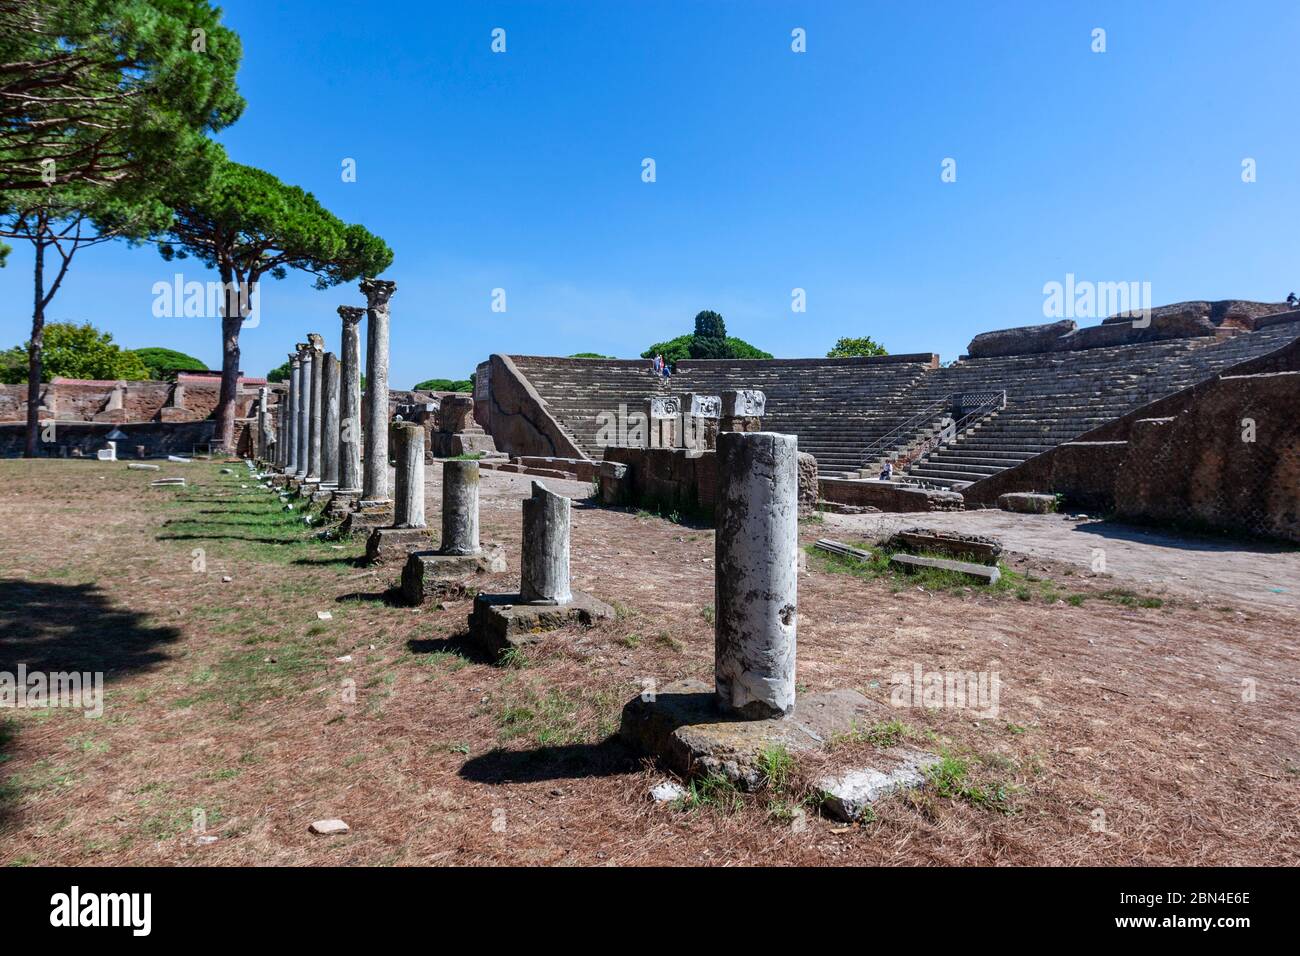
(545, 601)
(727, 729)
(452, 570)
(408, 531)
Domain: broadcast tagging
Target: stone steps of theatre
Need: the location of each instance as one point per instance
(957, 468)
(976, 461)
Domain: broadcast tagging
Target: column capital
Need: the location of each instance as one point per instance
(295, 358)
(377, 291)
(315, 343)
(351, 314)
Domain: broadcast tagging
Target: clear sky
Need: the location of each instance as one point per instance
(775, 170)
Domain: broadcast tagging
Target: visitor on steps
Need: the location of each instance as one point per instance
(887, 472)
(658, 365)
(667, 371)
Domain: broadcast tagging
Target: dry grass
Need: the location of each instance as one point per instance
(227, 697)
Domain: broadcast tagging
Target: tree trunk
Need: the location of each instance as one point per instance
(232, 320)
(34, 356)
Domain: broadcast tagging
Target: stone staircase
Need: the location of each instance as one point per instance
(841, 407)
(1056, 397)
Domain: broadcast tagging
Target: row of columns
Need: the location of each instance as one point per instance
(319, 422)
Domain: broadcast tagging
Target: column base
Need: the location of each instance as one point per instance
(680, 725)
(500, 622)
(386, 545)
(429, 575)
(367, 519)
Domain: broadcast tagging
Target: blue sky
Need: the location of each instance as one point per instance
(775, 170)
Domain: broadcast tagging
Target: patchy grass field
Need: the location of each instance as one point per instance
(1122, 733)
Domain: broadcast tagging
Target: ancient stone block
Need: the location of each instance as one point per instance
(977, 573)
(389, 545)
(1023, 340)
(743, 403)
(680, 724)
(429, 575)
(1025, 502)
(502, 621)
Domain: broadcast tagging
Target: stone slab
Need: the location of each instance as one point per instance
(387, 545)
(848, 796)
(968, 547)
(429, 575)
(499, 622)
(978, 573)
(1023, 502)
(681, 726)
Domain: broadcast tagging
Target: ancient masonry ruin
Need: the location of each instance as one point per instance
(1176, 418)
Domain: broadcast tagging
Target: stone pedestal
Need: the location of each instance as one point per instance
(502, 621)
(680, 724)
(546, 600)
(448, 571)
(368, 516)
(389, 545)
(430, 575)
(614, 483)
(756, 573)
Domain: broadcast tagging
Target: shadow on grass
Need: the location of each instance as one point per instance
(229, 537)
(390, 597)
(357, 561)
(458, 644)
(67, 628)
(608, 758)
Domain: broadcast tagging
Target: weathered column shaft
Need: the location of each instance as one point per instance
(315, 411)
(756, 568)
(263, 423)
(544, 564)
(408, 507)
(377, 293)
(304, 409)
(350, 401)
(291, 414)
(459, 507)
(329, 436)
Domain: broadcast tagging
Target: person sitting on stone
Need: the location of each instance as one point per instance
(887, 472)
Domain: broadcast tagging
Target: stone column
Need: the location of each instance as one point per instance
(377, 293)
(350, 401)
(303, 410)
(408, 509)
(544, 571)
(291, 414)
(756, 567)
(459, 508)
(329, 436)
(263, 423)
(315, 411)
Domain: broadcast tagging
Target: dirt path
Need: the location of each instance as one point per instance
(1122, 733)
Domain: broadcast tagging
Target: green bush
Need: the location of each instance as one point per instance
(443, 385)
(163, 364)
(74, 351)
